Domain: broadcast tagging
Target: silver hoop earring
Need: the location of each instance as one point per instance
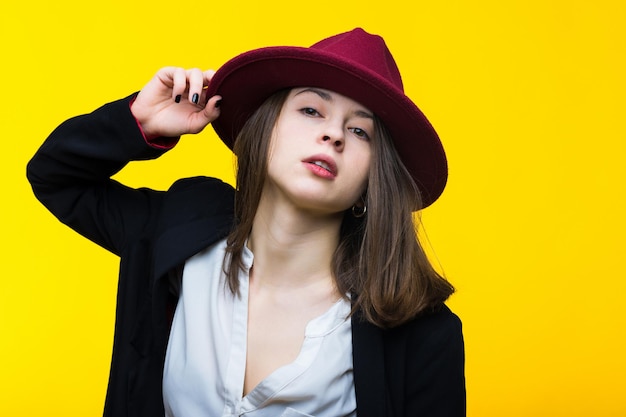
(359, 212)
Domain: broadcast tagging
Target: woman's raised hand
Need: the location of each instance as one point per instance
(174, 103)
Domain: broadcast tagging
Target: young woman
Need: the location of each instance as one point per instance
(304, 292)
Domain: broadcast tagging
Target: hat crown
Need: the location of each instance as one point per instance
(365, 50)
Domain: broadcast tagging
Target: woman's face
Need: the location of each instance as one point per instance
(320, 151)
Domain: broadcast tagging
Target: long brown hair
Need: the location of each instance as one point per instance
(379, 260)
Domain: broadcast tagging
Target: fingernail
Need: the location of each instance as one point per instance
(177, 99)
(195, 98)
(218, 103)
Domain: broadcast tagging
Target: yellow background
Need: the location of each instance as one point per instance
(528, 97)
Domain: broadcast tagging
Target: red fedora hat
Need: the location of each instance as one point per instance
(355, 64)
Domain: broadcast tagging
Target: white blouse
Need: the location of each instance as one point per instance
(206, 354)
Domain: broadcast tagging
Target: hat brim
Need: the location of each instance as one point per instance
(247, 80)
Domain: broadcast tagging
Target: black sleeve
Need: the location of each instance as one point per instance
(70, 174)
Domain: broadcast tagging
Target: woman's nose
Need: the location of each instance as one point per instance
(335, 136)
(336, 142)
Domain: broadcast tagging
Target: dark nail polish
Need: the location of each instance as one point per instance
(218, 103)
(195, 98)
(177, 99)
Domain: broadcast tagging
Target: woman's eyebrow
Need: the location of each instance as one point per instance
(364, 114)
(328, 97)
(323, 94)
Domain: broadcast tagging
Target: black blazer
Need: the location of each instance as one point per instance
(414, 370)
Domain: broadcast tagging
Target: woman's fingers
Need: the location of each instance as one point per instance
(195, 80)
(200, 119)
(174, 102)
(212, 108)
(184, 82)
(190, 84)
(180, 83)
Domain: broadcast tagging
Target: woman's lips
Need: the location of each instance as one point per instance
(322, 165)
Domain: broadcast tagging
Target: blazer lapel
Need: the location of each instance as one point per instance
(172, 249)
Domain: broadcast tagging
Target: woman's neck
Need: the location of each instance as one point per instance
(293, 248)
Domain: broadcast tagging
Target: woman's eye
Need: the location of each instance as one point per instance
(359, 132)
(310, 111)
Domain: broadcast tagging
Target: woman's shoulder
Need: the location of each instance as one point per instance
(200, 183)
(205, 189)
(437, 326)
(195, 197)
